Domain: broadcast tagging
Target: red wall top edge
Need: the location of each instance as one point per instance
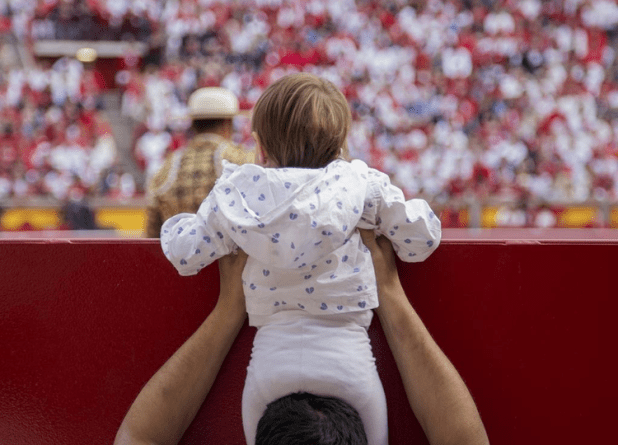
(444, 242)
(449, 236)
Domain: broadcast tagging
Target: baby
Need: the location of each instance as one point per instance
(309, 281)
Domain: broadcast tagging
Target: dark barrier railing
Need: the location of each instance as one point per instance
(530, 325)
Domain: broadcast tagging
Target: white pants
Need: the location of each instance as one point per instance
(325, 356)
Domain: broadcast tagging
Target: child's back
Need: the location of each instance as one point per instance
(299, 228)
(309, 282)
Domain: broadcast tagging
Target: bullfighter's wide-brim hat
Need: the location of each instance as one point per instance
(212, 103)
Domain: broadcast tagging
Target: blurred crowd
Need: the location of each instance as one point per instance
(53, 139)
(458, 100)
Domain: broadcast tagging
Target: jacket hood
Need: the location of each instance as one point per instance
(291, 217)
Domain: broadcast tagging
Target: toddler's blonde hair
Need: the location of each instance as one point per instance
(302, 120)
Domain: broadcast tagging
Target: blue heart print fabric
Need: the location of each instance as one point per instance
(299, 228)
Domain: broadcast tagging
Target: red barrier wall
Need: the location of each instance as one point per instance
(84, 324)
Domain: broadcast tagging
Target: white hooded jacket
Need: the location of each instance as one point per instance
(298, 227)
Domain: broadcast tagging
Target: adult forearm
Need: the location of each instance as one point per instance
(436, 392)
(168, 403)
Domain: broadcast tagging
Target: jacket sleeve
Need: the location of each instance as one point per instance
(411, 226)
(193, 241)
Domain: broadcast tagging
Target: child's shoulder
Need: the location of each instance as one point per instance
(366, 172)
(355, 165)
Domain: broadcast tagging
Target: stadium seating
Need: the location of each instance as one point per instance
(459, 101)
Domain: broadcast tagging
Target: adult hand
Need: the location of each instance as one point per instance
(230, 280)
(384, 263)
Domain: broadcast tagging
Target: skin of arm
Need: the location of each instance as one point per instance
(167, 404)
(437, 394)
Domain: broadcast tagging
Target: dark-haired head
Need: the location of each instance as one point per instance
(307, 419)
